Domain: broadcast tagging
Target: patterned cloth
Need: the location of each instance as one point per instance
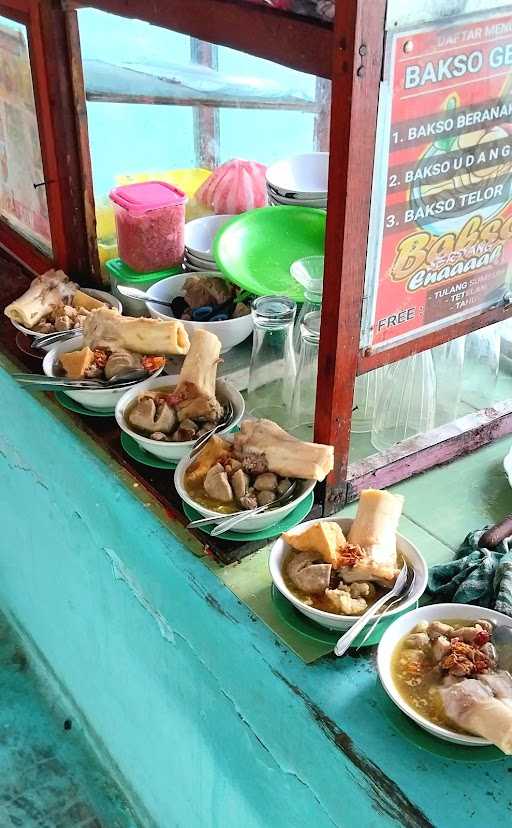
(475, 576)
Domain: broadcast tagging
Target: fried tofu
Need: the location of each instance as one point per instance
(84, 301)
(214, 449)
(76, 363)
(324, 538)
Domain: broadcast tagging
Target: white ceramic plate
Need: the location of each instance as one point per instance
(175, 451)
(103, 399)
(402, 627)
(200, 233)
(231, 332)
(307, 173)
(332, 620)
(102, 295)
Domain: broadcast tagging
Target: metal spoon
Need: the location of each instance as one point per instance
(393, 603)
(117, 381)
(223, 422)
(135, 293)
(347, 638)
(226, 525)
(55, 337)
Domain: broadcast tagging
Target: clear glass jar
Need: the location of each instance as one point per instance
(273, 368)
(304, 392)
(308, 272)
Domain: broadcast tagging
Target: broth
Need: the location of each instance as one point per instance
(197, 493)
(319, 600)
(417, 681)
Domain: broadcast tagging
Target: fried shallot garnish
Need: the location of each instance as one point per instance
(350, 555)
(100, 357)
(465, 659)
(153, 363)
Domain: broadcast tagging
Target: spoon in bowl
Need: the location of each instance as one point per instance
(226, 525)
(54, 338)
(347, 638)
(238, 517)
(223, 422)
(394, 602)
(135, 293)
(117, 381)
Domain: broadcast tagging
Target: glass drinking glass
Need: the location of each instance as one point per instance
(481, 366)
(366, 392)
(406, 402)
(304, 392)
(449, 367)
(308, 272)
(272, 369)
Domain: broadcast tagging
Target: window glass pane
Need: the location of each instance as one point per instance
(432, 389)
(163, 105)
(22, 205)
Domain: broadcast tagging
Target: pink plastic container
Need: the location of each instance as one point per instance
(150, 222)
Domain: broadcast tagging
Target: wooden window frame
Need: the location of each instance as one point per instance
(62, 173)
(350, 53)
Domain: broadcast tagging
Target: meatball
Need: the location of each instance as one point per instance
(266, 482)
(265, 498)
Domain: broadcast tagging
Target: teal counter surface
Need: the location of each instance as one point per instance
(208, 719)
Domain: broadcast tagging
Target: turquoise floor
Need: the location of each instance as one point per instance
(48, 777)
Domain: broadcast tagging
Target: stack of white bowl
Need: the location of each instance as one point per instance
(199, 236)
(299, 181)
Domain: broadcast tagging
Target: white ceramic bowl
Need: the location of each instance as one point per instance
(198, 261)
(332, 620)
(306, 174)
(200, 233)
(192, 268)
(251, 523)
(94, 398)
(404, 625)
(318, 205)
(231, 332)
(102, 295)
(174, 451)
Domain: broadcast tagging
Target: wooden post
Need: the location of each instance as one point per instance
(323, 115)
(65, 201)
(356, 74)
(206, 119)
(82, 137)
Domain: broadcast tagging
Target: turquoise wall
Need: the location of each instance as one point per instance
(163, 662)
(211, 722)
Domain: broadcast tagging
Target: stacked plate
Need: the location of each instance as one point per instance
(300, 181)
(199, 236)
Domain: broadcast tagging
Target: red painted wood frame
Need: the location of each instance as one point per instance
(62, 173)
(292, 40)
(358, 55)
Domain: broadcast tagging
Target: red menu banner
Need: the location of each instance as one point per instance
(445, 233)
